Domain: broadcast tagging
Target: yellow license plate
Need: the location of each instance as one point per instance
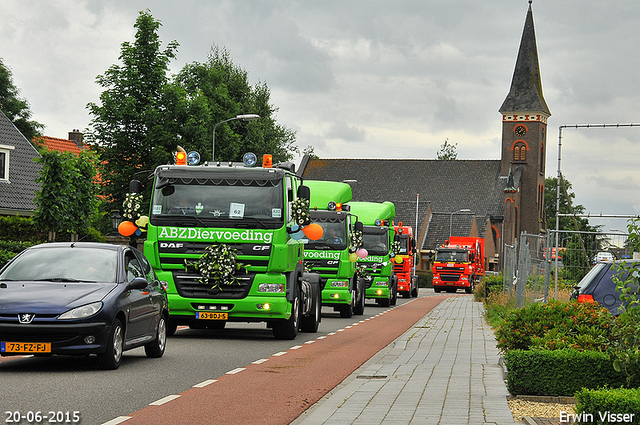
(205, 315)
(25, 347)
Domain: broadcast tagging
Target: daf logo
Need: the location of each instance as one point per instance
(261, 247)
(25, 317)
(171, 245)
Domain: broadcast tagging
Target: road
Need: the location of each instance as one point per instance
(70, 384)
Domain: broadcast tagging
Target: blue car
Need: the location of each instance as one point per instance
(598, 285)
(82, 298)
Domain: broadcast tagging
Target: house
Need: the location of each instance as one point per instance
(74, 144)
(18, 171)
(493, 199)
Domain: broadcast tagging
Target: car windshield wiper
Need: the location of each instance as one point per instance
(62, 279)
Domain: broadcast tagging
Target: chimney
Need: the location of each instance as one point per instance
(76, 137)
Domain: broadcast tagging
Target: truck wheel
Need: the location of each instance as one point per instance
(414, 291)
(437, 290)
(470, 289)
(311, 322)
(358, 310)
(288, 329)
(394, 295)
(346, 311)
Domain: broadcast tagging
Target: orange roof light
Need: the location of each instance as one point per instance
(266, 161)
(181, 156)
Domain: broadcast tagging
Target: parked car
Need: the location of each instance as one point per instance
(598, 286)
(82, 298)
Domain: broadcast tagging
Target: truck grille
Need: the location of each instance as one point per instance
(188, 286)
(449, 277)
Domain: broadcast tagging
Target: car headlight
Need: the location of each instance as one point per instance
(82, 311)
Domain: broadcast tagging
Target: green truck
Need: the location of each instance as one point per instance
(376, 268)
(220, 236)
(330, 256)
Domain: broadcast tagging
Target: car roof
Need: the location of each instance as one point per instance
(95, 245)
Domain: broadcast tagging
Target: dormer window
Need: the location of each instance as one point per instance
(519, 152)
(4, 161)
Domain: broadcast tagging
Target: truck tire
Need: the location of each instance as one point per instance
(346, 311)
(288, 329)
(358, 310)
(394, 293)
(414, 291)
(310, 322)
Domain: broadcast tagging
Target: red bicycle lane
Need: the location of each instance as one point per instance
(279, 389)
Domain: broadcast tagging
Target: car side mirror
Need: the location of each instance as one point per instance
(138, 283)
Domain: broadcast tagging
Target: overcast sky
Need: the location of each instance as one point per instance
(371, 78)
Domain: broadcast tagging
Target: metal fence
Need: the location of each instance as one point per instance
(533, 264)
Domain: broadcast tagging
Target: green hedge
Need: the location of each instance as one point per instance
(559, 372)
(15, 228)
(618, 401)
(425, 278)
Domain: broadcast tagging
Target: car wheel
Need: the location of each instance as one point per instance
(111, 358)
(156, 348)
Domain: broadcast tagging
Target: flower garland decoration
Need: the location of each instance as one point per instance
(361, 270)
(300, 211)
(131, 206)
(217, 266)
(395, 247)
(355, 240)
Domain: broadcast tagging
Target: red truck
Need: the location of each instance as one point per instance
(404, 262)
(458, 263)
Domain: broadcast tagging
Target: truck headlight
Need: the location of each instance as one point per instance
(340, 284)
(271, 287)
(382, 283)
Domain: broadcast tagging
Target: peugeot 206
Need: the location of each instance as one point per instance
(82, 298)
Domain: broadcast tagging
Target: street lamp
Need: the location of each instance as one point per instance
(245, 117)
(116, 219)
(465, 210)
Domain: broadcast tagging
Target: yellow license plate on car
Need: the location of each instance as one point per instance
(205, 315)
(25, 347)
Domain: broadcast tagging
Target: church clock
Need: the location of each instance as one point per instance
(521, 130)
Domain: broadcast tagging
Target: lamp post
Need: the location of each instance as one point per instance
(116, 219)
(465, 210)
(244, 117)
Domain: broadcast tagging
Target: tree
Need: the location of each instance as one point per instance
(447, 151)
(205, 94)
(128, 129)
(15, 108)
(66, 200)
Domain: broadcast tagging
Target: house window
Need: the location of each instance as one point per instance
(520, 152)
(4, 161)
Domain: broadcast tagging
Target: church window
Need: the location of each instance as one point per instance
(542, 158)
(520, 152)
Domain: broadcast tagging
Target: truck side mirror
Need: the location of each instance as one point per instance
(135, 186)
(304, 192)
(359, 226)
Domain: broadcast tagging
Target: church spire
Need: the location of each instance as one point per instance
(525, 94)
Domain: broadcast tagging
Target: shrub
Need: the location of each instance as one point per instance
(15, 228)
(488, 285)
(568, 324)
(559, 372)
(600, 402)
(425, 278)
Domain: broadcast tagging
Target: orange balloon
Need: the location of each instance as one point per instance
(313, 231)
(127, 228)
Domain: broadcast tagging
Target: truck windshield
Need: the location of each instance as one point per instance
(451, 255)
(376, 243)
(334, 235)
(404, 245)
(224, 199)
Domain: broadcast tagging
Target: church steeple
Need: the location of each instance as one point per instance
(525, 95)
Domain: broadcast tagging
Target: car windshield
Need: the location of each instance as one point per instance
(593, 273)
(63, 264)
(451, 255)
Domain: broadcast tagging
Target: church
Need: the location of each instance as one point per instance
(493, 199)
